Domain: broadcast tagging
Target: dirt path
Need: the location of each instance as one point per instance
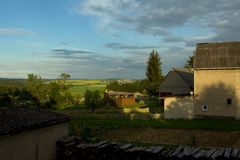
(174, 136)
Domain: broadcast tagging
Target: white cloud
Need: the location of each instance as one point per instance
(16, 31)
(158, 17)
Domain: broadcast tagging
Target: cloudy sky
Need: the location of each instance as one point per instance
(108, 38)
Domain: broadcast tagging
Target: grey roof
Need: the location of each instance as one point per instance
(220, 55)
(187, 75)
(112, 93)
(17, 120)
(178, 81)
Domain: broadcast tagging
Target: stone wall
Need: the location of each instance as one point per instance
(35, 144)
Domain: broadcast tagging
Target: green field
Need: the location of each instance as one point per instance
(80, 89)
(77, 86)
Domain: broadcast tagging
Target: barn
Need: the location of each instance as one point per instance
(217, 80)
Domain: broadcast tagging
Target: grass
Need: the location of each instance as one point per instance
(81, 89)
(206, 124)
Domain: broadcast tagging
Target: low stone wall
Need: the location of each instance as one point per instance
(138, 114)
(71, 148)
(136, 110)
(178, 107)
(103, 110)
(131, 116)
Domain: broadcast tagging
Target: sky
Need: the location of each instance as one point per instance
(100, 39)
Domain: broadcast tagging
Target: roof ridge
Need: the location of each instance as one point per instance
(177, 71)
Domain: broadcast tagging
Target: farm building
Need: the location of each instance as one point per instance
(30, 134)
(217, 80)
(177, 82)
(119, 98)
(175, 92)
(216, 84)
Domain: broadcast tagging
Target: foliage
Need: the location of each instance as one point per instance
(35, 92)
(12, 96)
(153, 73)
(92, 98)
(54, 92)
(5, 100)
(189, 63)
(35, 85)
(64, 87)
(135, 86)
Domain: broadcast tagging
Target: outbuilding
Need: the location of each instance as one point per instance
(176, 91)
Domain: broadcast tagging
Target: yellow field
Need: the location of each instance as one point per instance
(85, 82)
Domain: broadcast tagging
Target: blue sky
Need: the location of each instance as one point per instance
(108, 38)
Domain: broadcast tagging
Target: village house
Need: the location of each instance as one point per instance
(30, 134)
(216, 89)
(217, 80)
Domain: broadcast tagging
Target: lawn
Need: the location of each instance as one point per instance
(206, 124)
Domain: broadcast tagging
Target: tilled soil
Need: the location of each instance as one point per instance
(174, 136)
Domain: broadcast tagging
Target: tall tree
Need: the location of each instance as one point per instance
(64, 87)
(153, 73)
(35, 85)
(54, 92)
(189, 63)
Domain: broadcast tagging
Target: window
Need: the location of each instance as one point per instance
(229, 101)
(205, 108)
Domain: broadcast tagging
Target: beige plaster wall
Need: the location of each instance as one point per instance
(212, 88)
(178, 107)
(36, 144)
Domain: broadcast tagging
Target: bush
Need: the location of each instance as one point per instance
(5, 100)
(92, 99)
(154, 106)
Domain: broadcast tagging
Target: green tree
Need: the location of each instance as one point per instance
(63, 86)
(54, 92)
(189, 63)
(135, 86)
(153, 73)
(35, 85)
(92, 99)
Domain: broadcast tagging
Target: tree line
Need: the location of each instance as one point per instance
(36, 92)
(150, 84)
(154, 76)
(135, 86)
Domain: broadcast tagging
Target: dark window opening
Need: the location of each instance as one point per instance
(205, 108)
(229, 100)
